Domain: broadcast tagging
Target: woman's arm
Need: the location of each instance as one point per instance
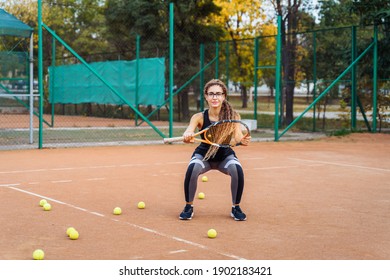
(195, 122)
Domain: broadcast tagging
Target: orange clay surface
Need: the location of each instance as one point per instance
(326, 199)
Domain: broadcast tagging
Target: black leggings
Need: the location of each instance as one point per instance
(230, 166)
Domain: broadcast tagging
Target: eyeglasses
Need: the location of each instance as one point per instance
(214, 94)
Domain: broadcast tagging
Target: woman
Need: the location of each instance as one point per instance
(207, 157)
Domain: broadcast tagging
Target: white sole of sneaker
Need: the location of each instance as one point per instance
(231, 215)
(187, 218)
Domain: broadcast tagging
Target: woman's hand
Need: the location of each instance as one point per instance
(188, 137)
(245, 140)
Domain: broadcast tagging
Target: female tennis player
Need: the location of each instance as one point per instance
(207, 157)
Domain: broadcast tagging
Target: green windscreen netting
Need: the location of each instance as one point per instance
(11, 26)
(76, 84)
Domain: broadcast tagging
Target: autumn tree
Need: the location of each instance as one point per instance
(150, 20)
(241, 20)
(292, 12)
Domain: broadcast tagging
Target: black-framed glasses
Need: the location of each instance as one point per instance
(215, 94)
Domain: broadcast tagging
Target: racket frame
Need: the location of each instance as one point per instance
(206, 140)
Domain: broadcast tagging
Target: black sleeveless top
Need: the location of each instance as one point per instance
(202, 149)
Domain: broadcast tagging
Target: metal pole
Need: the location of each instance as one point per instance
(278, 77)
(40, 73)
(137, 77)
(53, 64)
(31, 74)
(327, 89)
(314, 78)
(353, 80)
(375, 79)
(227, 53)
(171, 58)
(90, 68)
(217, 61)
(255, 81)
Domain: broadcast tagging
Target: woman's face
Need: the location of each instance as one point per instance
(215, 96)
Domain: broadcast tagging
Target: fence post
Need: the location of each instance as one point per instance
(353, 80)
(256, 58)
(217, 61)
(201, 78)
(171, 57)
(278, 77)
(314, 78)
(375, 79)
(137, 77)
(40, 72)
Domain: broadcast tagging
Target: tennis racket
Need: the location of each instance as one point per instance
(223, 134)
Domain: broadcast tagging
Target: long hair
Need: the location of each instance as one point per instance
(227, 112)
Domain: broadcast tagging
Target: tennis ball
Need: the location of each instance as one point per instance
(205, 179)
(201, 195)
(69, 230)
(117, 211)
(42, 202)
(74, 234)
(212, 233)
(47, 207)
(141, 205)
(38, 254)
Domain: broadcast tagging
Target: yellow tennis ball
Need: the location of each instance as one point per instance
(117, 211)
(141, 205)
(69, 230)
(205, 179)
(74, 234)
(201, 195)
(42, 202)
(212, 233)
(47, 207)
(38, 254)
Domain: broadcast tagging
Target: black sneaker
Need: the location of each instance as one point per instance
(237, 214)
(187, 213)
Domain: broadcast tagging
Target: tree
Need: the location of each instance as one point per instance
(377, 12)
(150, 20)
(293, 16)
(241, 21)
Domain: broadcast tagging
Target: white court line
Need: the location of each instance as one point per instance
(89, 167)
(40, 196)
(133, 165)
(9, 185)
(97, 214)
(287, 166)
(62, 168)
(23, 171)
(177, 251)
(133, 225)
(255, 158)
(96, 179)
(275, 167)
(343, 164)
(103, 166)
(61, 181)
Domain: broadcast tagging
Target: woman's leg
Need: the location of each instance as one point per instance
(195, 167)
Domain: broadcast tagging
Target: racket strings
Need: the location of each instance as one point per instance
(220, 134)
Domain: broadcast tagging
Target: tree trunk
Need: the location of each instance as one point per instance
(289, 45)
(289, 66)
(244, 95)
(185, 106)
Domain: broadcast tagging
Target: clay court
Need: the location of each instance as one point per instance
(326, 199)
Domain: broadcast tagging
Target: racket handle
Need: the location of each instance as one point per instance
(173, 139)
